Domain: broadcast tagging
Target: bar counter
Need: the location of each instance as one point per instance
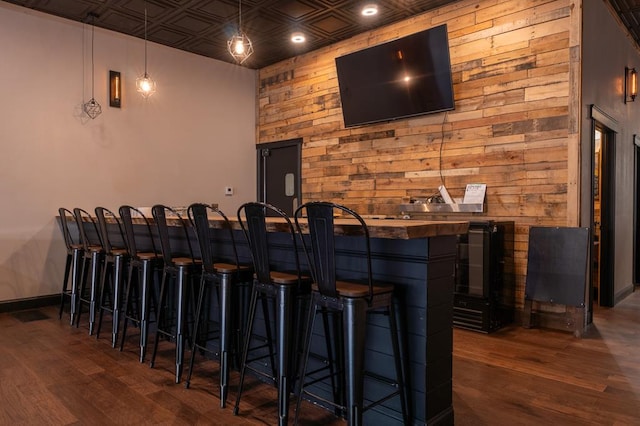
(418, 257)
(397, 229)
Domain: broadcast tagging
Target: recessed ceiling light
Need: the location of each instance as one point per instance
(298, 37)
(370, 10)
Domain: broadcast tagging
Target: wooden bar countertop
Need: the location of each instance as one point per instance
(397, 229)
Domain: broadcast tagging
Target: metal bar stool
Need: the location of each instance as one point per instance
(75, 253)
(114, 266)
(91, 264)
(222, 271)
(285, 288)
(144, 263)
(354, 299)
(179, 265)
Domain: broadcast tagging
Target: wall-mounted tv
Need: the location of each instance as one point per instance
(402, 78)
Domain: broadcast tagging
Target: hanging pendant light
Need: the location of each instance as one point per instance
(145, 85)
(239, 45)
(92, 108)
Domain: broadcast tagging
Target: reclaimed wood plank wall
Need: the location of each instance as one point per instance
(515, 72)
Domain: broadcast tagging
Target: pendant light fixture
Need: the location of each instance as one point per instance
(92, 108)
(145, 84)
(239, 45)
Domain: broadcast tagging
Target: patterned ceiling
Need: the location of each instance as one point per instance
(204, 26)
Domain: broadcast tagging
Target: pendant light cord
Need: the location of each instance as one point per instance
(92, 64)
(145, 40)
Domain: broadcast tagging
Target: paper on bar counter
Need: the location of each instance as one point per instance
(474, 194)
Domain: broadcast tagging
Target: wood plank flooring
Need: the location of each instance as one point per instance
(53, 374)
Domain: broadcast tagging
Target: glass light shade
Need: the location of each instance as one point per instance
(240, 47)
(145, 85)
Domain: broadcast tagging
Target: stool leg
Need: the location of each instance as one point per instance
(128, 308)
(284, 323)
(245, 350)
(75, 275)
(84, 271)
(95, 272)
(354, 323)
(308, 332)
(117, 283)
(65, 283)
(400, 365)
(161, 301)
(196, 328)
(225, 336)
(335, 389)
(180, 320)
(106, 272)
(146, 290)
(265, 312)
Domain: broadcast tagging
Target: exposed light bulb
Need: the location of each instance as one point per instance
(239, 47)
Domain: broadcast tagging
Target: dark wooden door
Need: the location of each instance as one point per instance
(279, 169)
(606, 244)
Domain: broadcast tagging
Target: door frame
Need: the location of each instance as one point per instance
(609, 128)
(636, 211)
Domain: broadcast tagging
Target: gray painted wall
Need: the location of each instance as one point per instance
(606, 50)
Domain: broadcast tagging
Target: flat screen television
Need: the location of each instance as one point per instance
(402, 78)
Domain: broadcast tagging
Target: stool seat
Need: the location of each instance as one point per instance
(228, 268)
(147, 256)
(355, 290)
(185, 261)
(285, 278)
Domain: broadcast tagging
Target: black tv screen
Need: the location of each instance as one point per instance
(402, 78)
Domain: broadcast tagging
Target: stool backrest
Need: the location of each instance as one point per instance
(111, 236)
(133, 246)
(320, 246)
(67, 223)
(199, 218)
(89, 234)
(168, 246)
(252, 218)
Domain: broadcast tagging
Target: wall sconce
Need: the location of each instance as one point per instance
(630, 84)
(115, 89)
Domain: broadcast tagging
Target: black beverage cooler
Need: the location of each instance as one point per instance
(484, 296)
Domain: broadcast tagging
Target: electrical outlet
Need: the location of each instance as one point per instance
(228, 190)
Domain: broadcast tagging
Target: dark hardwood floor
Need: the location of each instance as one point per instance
(51, 373)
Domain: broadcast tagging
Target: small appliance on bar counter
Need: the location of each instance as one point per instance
(473, 202)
